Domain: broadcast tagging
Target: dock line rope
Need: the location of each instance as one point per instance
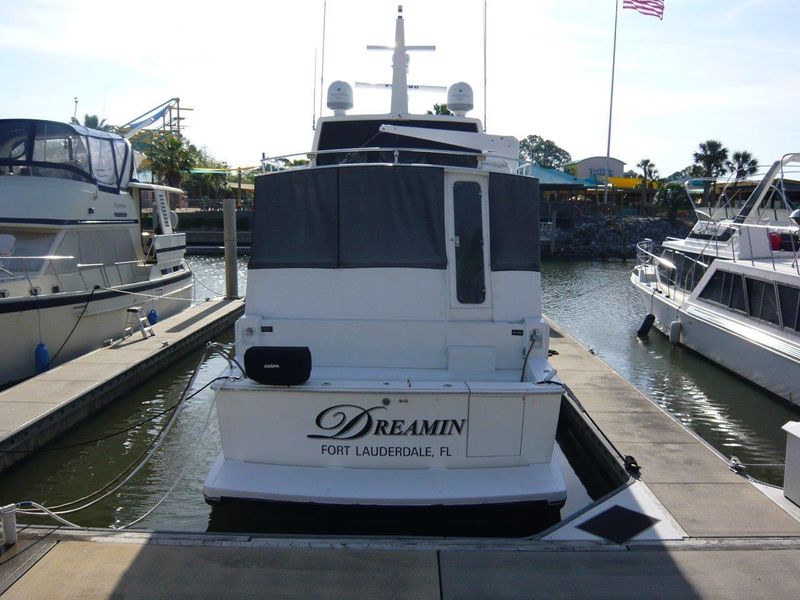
(74, 327)
(148, 453)
(186, 464)
(115, 433)
(150, 296)
(201, 282)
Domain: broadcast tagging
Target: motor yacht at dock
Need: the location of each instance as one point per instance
(393, 341)
(731, 289)
(76, 251)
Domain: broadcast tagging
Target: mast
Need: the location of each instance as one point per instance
(399, 83)
(399, 68)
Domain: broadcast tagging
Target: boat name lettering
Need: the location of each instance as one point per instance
(349, 422)
(383, 451)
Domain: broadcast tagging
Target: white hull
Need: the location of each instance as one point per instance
(103, 319)
(230, 479)
(748, 351)
(383, 443)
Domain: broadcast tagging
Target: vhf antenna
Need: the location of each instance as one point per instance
(322, 65)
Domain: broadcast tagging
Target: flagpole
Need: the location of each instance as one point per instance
(611, 101)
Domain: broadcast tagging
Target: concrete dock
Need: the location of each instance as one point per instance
(729, 540)
(36, 410)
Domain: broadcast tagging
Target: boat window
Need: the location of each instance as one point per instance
(514, 222)
(761, 300)
(468, 230)
(21, 252)
(737, 301)
(726, 289)
(103, 165)
(392, 217)
(714, 289)
(105, 246)
(689, 270)
(42, 149)
(350, 217)
(120, 155)
(790, 306)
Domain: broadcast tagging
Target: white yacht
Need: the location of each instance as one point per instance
(731, 289)
(404, 264)
(75, 250)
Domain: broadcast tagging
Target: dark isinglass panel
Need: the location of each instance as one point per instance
(769, 306)
(737, 293)
(514, 222)
(350, 217)
(391, 216)
(295, 223)
(714, 288)
(468, 226)
(790, 306)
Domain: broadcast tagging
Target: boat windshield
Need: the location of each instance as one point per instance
(50, 149)
(767, 195)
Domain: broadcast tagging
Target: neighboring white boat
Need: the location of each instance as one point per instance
(75, 252)
(404, 262)
(731, 289)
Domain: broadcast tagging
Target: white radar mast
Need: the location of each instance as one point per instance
(400, 67)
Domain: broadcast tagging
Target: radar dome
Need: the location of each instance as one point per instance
(459, 98)
(340, 97)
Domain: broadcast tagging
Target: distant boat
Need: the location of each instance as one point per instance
(731, 289)
(76, 252)
(404, 263)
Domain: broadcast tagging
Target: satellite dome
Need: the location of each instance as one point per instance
(459, 98)
(340, 97)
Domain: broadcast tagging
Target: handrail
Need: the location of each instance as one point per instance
(102, 267)
(315, 153)
(480, 156)
(45, 257)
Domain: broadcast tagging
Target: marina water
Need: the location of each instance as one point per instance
(592, 300)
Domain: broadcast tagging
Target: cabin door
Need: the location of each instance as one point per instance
(467, 217)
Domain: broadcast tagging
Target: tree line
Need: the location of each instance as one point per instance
(711, 159)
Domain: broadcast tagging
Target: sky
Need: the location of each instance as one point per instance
(712, 69)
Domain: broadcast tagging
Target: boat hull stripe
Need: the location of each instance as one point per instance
(9, 305)
(171, 249)
(68, 221)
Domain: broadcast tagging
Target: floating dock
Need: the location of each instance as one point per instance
(701, 532)
(35, 411)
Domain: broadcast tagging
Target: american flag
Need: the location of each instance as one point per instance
(654, 8)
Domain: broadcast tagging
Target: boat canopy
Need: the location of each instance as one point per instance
(50, 149)
(378, 216)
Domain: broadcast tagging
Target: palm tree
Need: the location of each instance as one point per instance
(742, 165)
(168, 158)
(649, 173)
(93, 122)
(440, 109)
(711, 158)
(672, 197)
